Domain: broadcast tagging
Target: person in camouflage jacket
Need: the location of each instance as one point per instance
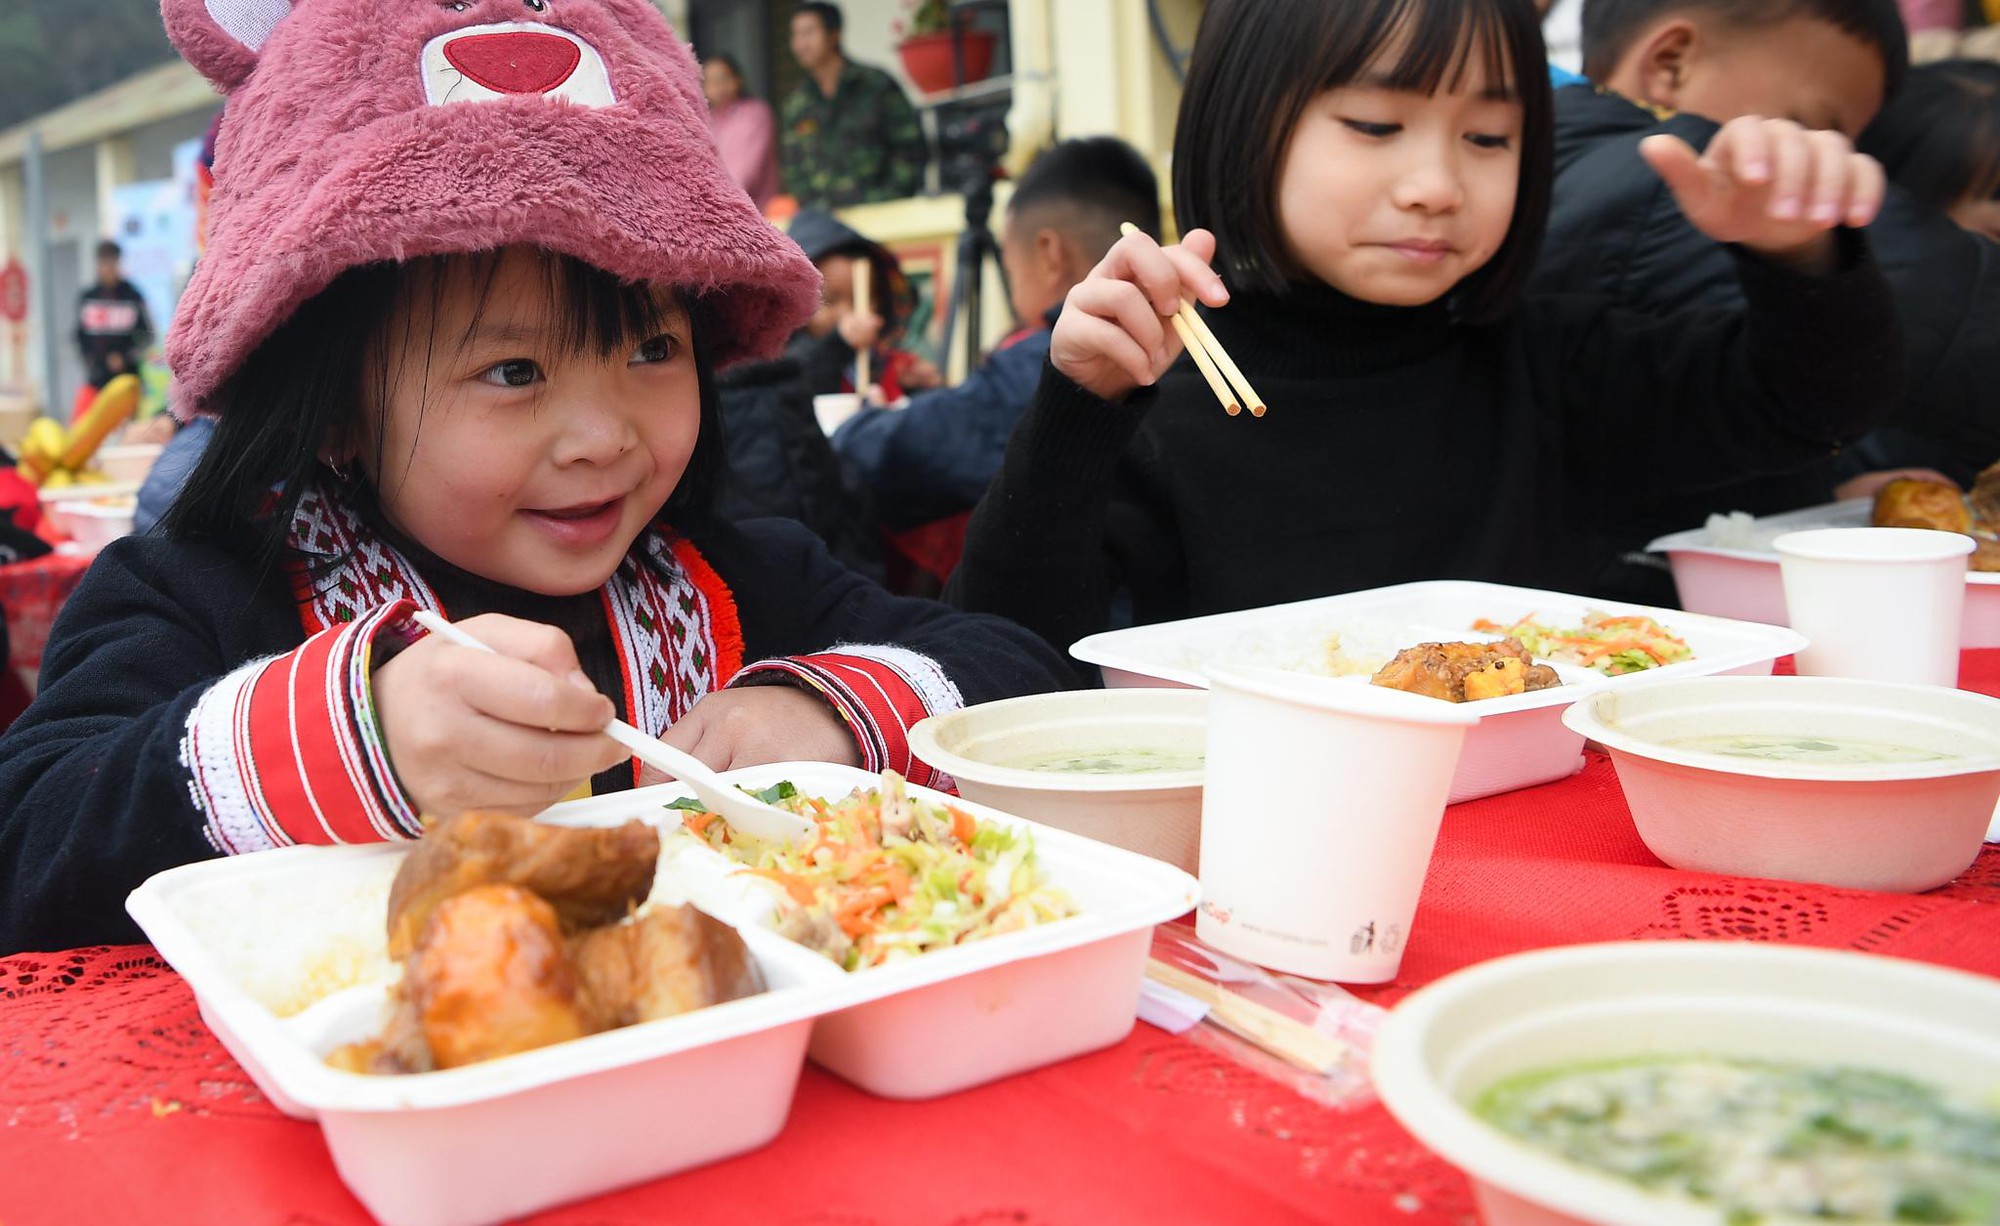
(848, 134)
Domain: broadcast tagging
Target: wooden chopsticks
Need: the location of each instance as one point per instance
(864, 270)
(1291, 1041)
(1224, 377)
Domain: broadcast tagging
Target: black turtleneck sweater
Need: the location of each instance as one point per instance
(1401, 445)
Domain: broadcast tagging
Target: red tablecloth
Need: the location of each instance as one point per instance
(31, 594)
(117, 1105)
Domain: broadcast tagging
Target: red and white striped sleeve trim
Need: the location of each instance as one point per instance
(287, 750)
(881, 692)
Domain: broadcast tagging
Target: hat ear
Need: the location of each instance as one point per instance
(222, 38)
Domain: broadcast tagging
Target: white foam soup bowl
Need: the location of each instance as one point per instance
(1156, 813)
(1875, 825)
(1446, 1045)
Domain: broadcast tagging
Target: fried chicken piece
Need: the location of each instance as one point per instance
(1909, 503)
(669, 961)
(1466, 672)
(590, 877)
(491, 977)
(1985, 554)
(1985, 501)
(400, 1048)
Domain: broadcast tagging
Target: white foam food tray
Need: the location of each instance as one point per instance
(286, 954)
(1745, 583)
(957, 1017)
(1519, 741)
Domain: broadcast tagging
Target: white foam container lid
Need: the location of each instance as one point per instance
(255, 935)
(958, 1017)
(1746, 583)
(1520, 740)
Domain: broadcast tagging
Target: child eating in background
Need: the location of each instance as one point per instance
(1685, 68)
(844, 327)
(470, 269)
(1377, 176)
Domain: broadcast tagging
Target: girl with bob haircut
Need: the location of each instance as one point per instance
(1375, 178)
(472, 266)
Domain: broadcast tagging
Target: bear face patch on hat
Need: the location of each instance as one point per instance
(359, 131)
(514, 57)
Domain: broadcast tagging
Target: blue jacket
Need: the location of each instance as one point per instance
(935, 456)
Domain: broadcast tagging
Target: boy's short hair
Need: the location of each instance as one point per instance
(1612, 27)
(1103, 179)
(109, 250)
(828, 14)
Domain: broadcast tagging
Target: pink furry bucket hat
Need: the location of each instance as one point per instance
(359, 130)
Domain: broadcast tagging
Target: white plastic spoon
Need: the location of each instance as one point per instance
(741, 810)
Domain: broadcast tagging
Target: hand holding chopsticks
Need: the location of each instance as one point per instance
(1123, 326)
(1225, 379)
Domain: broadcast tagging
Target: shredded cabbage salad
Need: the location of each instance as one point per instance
(1611, 645)
(889, 876)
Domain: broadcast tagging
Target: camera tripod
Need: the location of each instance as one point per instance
(976, 245)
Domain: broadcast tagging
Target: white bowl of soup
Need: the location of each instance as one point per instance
(1124, 767)
(1861, 784)
(1695, 1083)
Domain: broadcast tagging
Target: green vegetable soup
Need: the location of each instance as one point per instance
(1761, 1139)
(1111, 762)
(1824, 751)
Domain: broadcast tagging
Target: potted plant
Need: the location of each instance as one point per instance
(924, 40)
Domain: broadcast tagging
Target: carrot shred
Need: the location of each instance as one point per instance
(797, 887)
(962, 826)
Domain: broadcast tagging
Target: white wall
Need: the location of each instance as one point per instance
(74, 229)
(868, 36)
(153, 145)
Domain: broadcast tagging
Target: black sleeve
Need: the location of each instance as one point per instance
(1663, 406)
(825, 360)
(93, 796)
(1049, 543)
(184, 713)
(803, 602)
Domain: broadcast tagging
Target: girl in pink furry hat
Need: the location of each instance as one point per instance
(471, 265)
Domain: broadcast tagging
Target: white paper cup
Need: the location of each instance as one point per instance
(834, 409)
(1318, 820)
(1878, 604)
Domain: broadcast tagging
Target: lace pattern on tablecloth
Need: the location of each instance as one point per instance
(141, 1051)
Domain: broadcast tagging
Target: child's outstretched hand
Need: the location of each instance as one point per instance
(1772, 186)
(752, 725)
(1114, 336)
(512, 733)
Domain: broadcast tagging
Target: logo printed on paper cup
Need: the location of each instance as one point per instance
(1219, 914)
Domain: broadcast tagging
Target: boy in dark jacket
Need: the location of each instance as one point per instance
(935, 457)
(1685, 67)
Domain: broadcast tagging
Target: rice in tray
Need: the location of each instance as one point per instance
(332, 941)
(1741, 530)
(1355, 647)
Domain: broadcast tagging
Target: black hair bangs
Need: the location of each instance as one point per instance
(1258, 64)
(580, 311)
(1435, 45)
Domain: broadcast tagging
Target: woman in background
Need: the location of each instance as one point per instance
(744, 131)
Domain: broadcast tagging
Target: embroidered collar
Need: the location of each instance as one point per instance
(672, 617)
